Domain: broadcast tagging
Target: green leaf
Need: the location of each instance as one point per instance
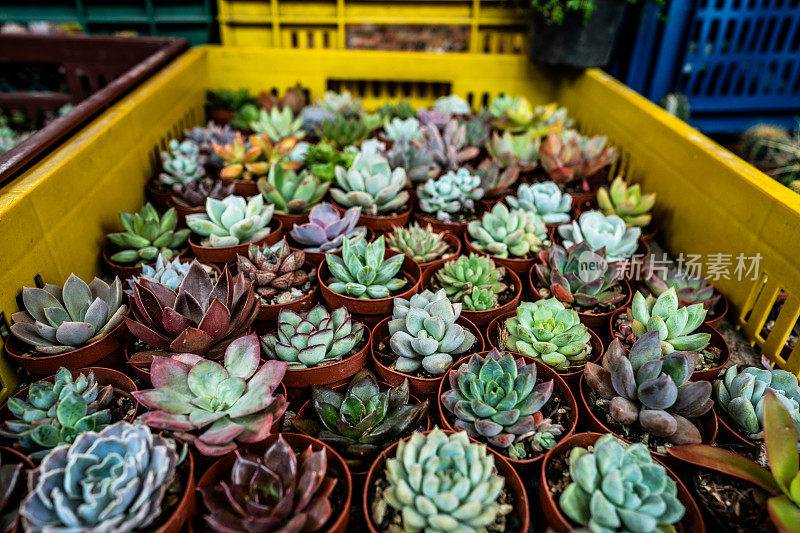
(727, 462)
(46, 436)
(785, 514)
(780, 439)
(70, 409)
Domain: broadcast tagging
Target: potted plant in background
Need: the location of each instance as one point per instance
(495, 181)
(190, 198)
(325, 231)
(448, 203)
(514, 150)
(515, 114)
(223, 103)
(544, 199)
(184, 163)
(292, 194)
(690, 290)
(425, 246)
(628, 203)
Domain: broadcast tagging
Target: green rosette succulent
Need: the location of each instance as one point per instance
(508, 233)
(474, 280)
(545, 199)
(147, 235)
(371, 184)
(362, 272)
(291, 192)
(449, 194)
(342, 132)
(548, 332)
(418, 243)
(627, 202)
(675, 325)
(278, 124)
(615, 487)
(183, 163)
(453, 104)
(232, 221)
(514, 150)
(342, 104)
(322, 160)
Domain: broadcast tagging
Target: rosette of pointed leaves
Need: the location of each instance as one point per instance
(147, 235)
(741, 395)
(626, 202)
(342, 104)
(450, 193)
(504, 233)
(568, 156)
(413, 157)
(601, 231)
(278, 124)
(113, 481)
(449, 147)
(509, 150)
(474, 280)
(362, 272)
(689, 290)
(235, 156)
(548, 332)
(215, 406)
(280, 491)
(494, 182)
(418, 243)
(363, 420)
(181, 164)
(314, 338)
(424, 333)
(441, 482)
(400, 109)
(207, 136)
(512, 113)
(194, 193)
(165, 272)
(58, 320)
(274, 270)
(199, 317)
(291, 192)
(433, 117)
(452, 104)
(620, 488)
(579, 276)
(342, 132)
(675, 325)
(477, 131)
(652, 388)
(283, 152)
(326, 228)
(293, 99)
(371, 184)
(55, 413)
(545, 199)
(402, 129)
(232, 221)
(322, 160)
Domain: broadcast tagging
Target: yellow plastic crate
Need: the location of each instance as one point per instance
(495, 26)
(53, 218)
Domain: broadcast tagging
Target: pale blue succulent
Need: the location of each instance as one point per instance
(450, 193)
(181, 163)
(601, 231)
(278, 124)
(232, 221)
(165, 272)
(371, 184)
(545, 199)
(403, 129)
(452, 104)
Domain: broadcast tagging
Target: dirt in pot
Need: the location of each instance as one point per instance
(388, 358)
(173, 494)
(122, 406)
(503, 298)
(459, 217)
(598, 309)
(292, 293)
(557, 473)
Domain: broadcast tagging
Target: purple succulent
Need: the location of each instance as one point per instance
(434, 117)
(326, 228)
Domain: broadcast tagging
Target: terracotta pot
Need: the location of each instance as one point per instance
(220, 116)
(220, 471)
(707, 424)
(227, 254)
(692, 520)
(125, 271)
(157, 196)
(721, 310)
(493, 336)
(582, 201)
(317, 258)
(520, 266)
(10, 456)
(728, 435)
(106, 350)
(543, 373)
(421, 386)
(452, 241)
(382, 224)
(372, 307)
(182, 212)
(513, 484)
(271, 312)
(650, 231)
(288, 220)
(481, 318)
(245, 188)
(459, 229)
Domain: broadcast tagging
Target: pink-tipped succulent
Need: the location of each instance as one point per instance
(199, 317)
(688, 289)
(494, 182)
(568, 156)
(326, 228)
(213, 406)
(236, 156)
(275, 270)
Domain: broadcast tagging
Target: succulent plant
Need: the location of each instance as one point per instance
(200, 317)
(545, 199)
(229, 99)
(477, 131)
(741, 395)
(363, 420)
(194, 193)
(548, 332)
(283, 152)
(620, 488)
(401, 110)
(313, 117)
(278, 124)
(294, 99)
(342, 132)
(371, 184)
(114, 480)
(449, 194)
(403, 129)
(12, 476)
(760, 144)
(165, 272)
(493, 181)
(473, 280)
(652, 388)
(235, 156)
(147, 235)
(213, 406)
(413, 157)
(205, 137)
(182, 163)
(56, 413)
(496, 398)
(418, 243)
(602, 231)
(322, 160)
(341, 104)
(58, 320)
(434, 117)
(674, 325)
(689, 290)
(626, 202)
(291, 192)
(504, 233)
(514, 150)
(275, 271)
(280, 491)
(568, 156)
(372, 121)
(441, 482)
(449, 146)
(326, 228)
(452, 104)
(579, 276)
(8, 138)
(313, 338)
(423, 333)
(232, 221)
(511, 113)
(362, 272)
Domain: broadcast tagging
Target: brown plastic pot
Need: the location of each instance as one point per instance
(245, 188)
(220, 116)
(581, 201)
(220, 471)
(493, 339)
(424, 387)
(227, 254)
(520, 266)
(158, 197)
(459, 229)
(288, 220)
(186, 506)
(271, 312)
(543, 373)
(317, 258)
(452, 241)
(481, 318)
(10, 456)
(124, 271)
(720, 308)
(513, 484)
(382, 224)
(692, 521)
(105, 351)
(183, 212)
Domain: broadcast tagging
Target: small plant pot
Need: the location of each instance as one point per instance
(289, 220)
(187, 504)
(227, 254)
(133, 358)
(727, 433)
(720, 311)
(493, 339)
(183, 212)
(481, 318)
(220, 116)
(157, 196)
(220, 471)
(543, 373)
(317, 258)
(513, 484)
(582, 201)
(452, 241)
(10, 456)
(105, 351)
(383, 224)
(692, 520)
(269, 313)
(246, 188)
(459, 229)
(650, 231)
(424, 387)
(520, 266)
(125, 271)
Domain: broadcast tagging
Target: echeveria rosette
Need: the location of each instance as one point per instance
(326, 228)
(275, 270)
(413, 157)
(278, 124)
(652, 388)
(601, 231)
(450, 193)
(147, 235)
(232, 221)
(215, 406)
(291, 192)
(508, 233)
(545, 199)
(615, 487)
(113, 481)
(194, 193)
(627, 202)
(61, 319)
(690, 290)
(165, 272)
(675, 325)
(183, 163)
(474, 280)
(493, 181)
(448, 144)
(342, 104)
(398, 128)
(418, 243)
(452, 104)
(511, 150)
(371, 184)
(362, 272)
(568, 156)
